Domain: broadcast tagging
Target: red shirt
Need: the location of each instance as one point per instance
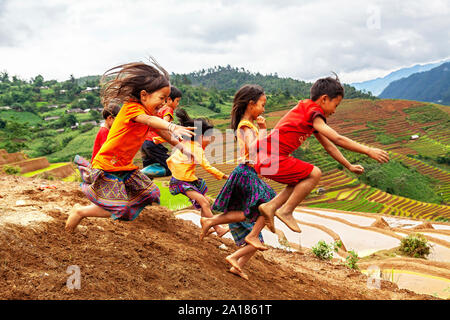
(152, 135)
(100, 139)
(293, 129)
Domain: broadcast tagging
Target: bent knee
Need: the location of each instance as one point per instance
(316, 173)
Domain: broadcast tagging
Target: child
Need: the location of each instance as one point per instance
(113, 183)
(183, 168)
(244, 191)
(109, 114)
(274, 160)
(154, 154)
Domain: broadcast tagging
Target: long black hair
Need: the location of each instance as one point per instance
(187, 121)
(247, 93)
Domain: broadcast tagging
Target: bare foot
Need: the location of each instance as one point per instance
(73, 220)
(233, 263)
(268, 213)
(206, 225)
(222, 231)
(255, 242)
(237, 272)
(289, 220)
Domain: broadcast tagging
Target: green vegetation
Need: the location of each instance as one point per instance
(170, 201)
(415, 245)
(324, 251)
(396, 178)
(351, 260)
(11, 169)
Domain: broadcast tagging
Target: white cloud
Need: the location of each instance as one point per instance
(299, 39)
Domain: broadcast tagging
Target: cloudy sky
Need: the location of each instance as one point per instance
(302, 39)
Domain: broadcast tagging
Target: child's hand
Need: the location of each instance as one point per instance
(261, 122)
(180, 131)
(225, 177)
(379, 155)
(358, 169)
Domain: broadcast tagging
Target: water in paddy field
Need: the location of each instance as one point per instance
(316, 225)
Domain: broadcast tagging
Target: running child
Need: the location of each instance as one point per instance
(109, 114)
(244, 191)
(154, 154)
(113, 183)
(274, 159)
(182, 166)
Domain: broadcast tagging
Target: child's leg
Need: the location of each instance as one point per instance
(224, 218)
(296, 195)
(78, 214)
(205, 209)
(240, 257)
(268, 209)
(252, 238)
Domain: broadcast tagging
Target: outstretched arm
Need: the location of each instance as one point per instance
(158, 123)
(337, 155)
(346, 143)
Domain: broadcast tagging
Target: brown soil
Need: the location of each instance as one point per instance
(380, 223)
(157, 256)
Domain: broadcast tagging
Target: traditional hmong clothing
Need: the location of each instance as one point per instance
(112, 181)
(183, 171)
(123, 193)
(178, 186)
(243, 191)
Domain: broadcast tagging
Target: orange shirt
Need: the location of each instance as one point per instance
(125, 138)
(183, 168)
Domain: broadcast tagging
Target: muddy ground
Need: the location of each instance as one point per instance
(157, 256)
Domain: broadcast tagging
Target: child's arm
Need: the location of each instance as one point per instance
(346, 143)
(167, 136)
(158, 123)
(337, 155)
(200, 158)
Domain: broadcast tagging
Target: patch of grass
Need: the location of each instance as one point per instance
(52, 166)
(170, 201)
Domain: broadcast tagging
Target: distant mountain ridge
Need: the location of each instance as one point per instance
(429, 86)
(376, 86)
(231, 79)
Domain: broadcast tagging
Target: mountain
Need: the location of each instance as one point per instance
(428, 86)
(376, 86)
(231, 79)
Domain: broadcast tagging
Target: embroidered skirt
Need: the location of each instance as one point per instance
(243, 191)
(123, 193)
(179, 186)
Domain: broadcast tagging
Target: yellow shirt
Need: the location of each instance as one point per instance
(183, 168)
(244, 153)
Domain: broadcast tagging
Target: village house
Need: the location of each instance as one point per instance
(52, 118)
(75, 110)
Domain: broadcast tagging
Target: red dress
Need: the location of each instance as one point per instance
(274, 159)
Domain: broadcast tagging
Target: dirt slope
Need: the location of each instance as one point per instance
(154, 257)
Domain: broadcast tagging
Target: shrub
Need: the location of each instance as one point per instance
(11, 169)
(415, 245)
(324, 251)
(351, 260)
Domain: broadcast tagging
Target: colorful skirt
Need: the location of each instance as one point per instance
(123, 193)
(243, 191)
(179, 186)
